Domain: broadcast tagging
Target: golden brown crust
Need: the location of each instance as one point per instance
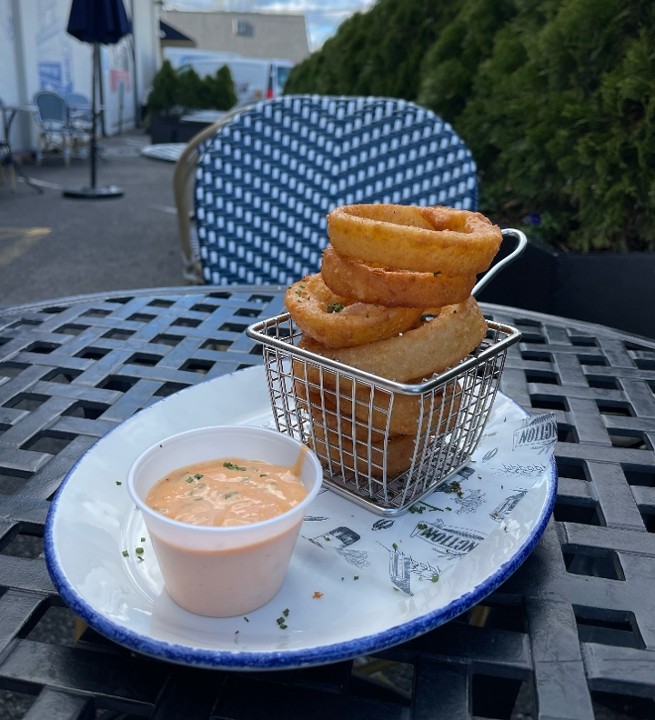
(392, 287)
(431, 347)
(437, 239)
(368, 458)
(376, 410)
(337, 321)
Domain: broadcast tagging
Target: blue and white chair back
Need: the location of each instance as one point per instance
(51, 117)
(268, 177)
(80, 112)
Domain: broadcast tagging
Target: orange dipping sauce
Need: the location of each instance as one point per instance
(227, 492)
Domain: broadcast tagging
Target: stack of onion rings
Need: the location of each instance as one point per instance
(393, 299)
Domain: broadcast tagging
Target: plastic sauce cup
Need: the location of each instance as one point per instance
(222, 571)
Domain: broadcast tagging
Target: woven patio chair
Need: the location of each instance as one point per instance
(267, 175)
(80, 123)
(51, 118)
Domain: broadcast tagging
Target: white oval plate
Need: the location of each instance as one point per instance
(348, 590)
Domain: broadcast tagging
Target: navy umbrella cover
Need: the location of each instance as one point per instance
(98, 21)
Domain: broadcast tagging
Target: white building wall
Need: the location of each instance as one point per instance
(36, 53)
(9, 81)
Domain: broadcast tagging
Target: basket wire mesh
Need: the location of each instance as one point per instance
(352, 419)
(385, 444)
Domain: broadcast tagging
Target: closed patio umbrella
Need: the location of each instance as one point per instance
(99, 22)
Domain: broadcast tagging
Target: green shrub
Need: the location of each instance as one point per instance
(555, 98)
(375, 53)
(175, 92)
(163, 96)
(190, 90)
(221, 93)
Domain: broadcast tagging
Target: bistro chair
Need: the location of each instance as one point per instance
(80, 123)
(52, 119)
(80, 112)
(267, 175)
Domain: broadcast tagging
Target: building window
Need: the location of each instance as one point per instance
(243, 28)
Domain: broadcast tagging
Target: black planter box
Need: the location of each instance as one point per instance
(615, 289)
(172, 129)
(163, 129)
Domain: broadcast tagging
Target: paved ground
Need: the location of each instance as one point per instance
(52, 246)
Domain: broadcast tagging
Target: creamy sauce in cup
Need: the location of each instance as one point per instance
(228, 491)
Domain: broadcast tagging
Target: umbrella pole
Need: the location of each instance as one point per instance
(94, 114)
(93, 192)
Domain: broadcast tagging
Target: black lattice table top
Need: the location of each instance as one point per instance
(570, 635)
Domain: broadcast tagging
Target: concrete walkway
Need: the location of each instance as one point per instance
(52, 246)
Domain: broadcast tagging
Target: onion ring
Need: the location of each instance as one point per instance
(380, 411)
(392, 287)
(367, 458)
(429, 348)
(432, 239)
(340, 322)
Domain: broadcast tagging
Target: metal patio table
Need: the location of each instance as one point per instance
(570, 635)
(8, 115)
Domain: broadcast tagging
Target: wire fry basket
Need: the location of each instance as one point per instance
(382, 444)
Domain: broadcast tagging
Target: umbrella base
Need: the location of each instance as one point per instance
(94, 193)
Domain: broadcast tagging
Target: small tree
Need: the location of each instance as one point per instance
(220, 90)
(163, 96)
(190, 90)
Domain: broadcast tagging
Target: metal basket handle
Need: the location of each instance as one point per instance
(521, 242)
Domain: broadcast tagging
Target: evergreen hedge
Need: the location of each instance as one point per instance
(174, 93)
(555, 98)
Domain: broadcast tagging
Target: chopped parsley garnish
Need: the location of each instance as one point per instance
(232, 466)
(197, 476)
(281, 621)
(335, 307)
(454, 487)
(125, 553)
